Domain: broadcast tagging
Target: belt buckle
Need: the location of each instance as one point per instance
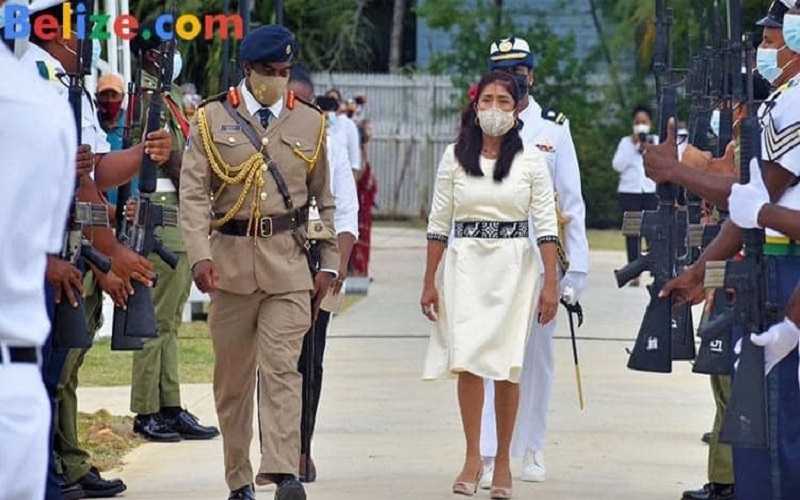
(265, 227)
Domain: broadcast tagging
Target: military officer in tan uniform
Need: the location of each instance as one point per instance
(254, 162)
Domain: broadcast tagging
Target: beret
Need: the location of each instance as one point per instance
(510, 52)
(142, 42)
(271, 43)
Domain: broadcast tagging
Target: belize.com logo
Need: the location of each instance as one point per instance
(15, 20)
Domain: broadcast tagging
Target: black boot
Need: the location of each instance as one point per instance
(186, 424)
(246, 492)
(70, 491)
(95, 486)
(154, 428)
(288, 488)
(711, 491)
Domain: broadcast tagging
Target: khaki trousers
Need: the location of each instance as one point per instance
(155, 383)
(265, 333)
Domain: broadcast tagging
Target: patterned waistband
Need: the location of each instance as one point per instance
(491, 229)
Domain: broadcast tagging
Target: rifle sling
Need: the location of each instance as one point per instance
(252, 135)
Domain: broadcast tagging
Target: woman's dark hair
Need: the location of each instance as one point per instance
(642, 108)
(470, 137)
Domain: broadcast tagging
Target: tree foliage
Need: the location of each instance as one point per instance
(334, 35)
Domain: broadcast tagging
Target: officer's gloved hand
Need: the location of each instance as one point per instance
(746, 200)
(778, 342)
(573, 285)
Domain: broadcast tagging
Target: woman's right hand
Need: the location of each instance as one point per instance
(548, 303)
(430, 301)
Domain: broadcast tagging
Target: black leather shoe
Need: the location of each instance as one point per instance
(244, 493)
(308, 470)
(706, 438)
(154, 428)
(70, 491)
(289, 488)
(188, 427)
(711, 491)
(96, 487)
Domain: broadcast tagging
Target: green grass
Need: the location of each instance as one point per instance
(104, 368)
(605, 239)
(108, 438)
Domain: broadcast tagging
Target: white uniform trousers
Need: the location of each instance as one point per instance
(536, 388)
(24, 432)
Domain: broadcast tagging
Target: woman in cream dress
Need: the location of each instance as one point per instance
(486, 186)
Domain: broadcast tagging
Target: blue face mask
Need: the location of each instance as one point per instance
(96, 51)
(331, 118)
(767, 64)
(791, 31)
(714, 123)
(177, 65)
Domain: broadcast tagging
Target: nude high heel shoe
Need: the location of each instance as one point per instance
(467, 489)
(499, 493)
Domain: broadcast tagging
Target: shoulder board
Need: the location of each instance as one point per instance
(310, 105)
(554, 116)
(222, 96)
(46, 71)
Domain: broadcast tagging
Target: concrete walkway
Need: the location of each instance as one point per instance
(385, 434)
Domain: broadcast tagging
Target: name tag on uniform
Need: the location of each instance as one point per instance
(231, 128)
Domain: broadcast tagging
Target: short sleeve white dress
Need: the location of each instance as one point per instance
(490, 290)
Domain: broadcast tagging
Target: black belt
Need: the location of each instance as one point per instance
(265, 226)
(491, 229)
(21, 355)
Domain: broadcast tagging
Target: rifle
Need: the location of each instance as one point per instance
(714, 354)
(652, 351)
(744, 281)
(70, 328)
(139, 320)
(120, 341)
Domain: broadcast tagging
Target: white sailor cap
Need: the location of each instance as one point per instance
(510, 52)
(40, 5)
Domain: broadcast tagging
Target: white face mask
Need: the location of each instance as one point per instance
(714, 123)
(791, 31)
(495, 122)
(642, 128)
(96, 51)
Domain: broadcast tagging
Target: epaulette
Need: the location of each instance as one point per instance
(309, 104)
(554, 116)
(46, 71)
(222, 96)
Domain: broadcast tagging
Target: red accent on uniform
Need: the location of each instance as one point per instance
(176, 112)
(233, 97)
(290, 100)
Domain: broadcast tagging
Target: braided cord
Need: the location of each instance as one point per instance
(312, 162)
(249, 172)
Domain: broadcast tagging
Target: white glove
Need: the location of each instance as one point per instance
(746, 200)
(778, 342)
(573, 285)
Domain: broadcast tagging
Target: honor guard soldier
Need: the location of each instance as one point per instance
(548, 131)
(255, 160)
(37, 138)
(155, 384)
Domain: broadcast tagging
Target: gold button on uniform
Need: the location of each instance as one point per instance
(263, 196)
(231, 139)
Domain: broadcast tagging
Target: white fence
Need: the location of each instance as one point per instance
(413, 119)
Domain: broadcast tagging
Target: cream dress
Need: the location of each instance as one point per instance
(489, 286)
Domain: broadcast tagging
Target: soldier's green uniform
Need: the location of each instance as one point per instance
(155, 381)
(71, 460)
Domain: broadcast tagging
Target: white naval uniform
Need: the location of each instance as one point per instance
(780, 138)
(555, 141)
(37, 140)
(345, 130)
(92, 133)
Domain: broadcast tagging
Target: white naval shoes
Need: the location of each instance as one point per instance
(488, 473)
(533, 470)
